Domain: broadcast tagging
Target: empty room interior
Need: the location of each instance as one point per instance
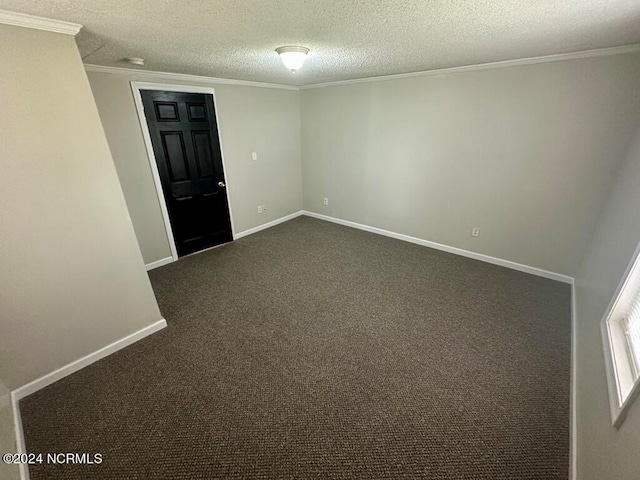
(320, 240)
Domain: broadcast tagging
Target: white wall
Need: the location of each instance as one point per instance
(264, 120)
(525, 153)
(604, 452)
(72, 278)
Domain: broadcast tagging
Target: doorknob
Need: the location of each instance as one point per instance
(221, 184)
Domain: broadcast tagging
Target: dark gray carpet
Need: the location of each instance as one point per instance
(312, 350)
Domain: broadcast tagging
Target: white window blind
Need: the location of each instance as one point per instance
(621, 342)
(631, 323)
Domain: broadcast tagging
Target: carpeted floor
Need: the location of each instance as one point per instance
(313, 351)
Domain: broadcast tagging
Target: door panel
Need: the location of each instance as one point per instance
(166, 111)
(184, 135)
(197, 112)
(202, 150)
(175, 155)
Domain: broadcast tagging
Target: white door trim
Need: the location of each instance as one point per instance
(137, 98)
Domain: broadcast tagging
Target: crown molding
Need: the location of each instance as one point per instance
(601, 52)
(38, 23)
(146, 74)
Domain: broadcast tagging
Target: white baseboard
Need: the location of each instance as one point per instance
(159, 263)
(573, 438)
(237, 236)
(48, 379)
(446, 248)
(264, 226)
(20, 445)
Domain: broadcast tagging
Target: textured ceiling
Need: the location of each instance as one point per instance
(348, 39)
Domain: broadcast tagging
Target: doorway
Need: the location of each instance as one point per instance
(181, 133)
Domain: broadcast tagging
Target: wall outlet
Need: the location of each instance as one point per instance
(264, 207)
(259, 208)
(475, 232)
(254, 155)
(326, 201)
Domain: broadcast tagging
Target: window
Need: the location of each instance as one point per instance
(621, 335)
(632, 332)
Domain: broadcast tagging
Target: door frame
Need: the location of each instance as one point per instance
(137, 98)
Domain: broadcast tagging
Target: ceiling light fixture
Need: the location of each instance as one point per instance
(292, 57)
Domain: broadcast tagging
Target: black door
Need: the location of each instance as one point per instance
(184, 134)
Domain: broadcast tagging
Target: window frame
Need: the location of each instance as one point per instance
(617, 356)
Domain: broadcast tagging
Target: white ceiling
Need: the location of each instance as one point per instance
(348, 39)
